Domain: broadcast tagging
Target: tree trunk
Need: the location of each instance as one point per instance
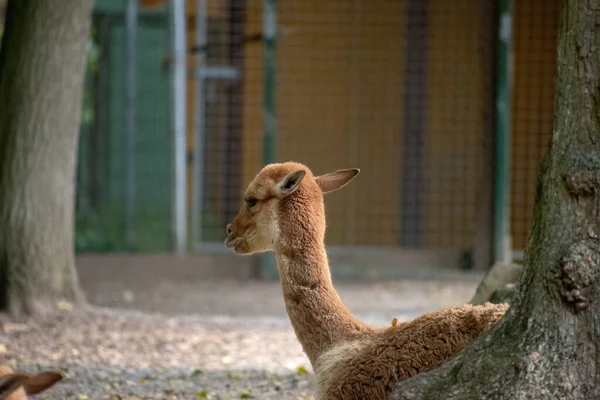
(547, 346)
(42, 64)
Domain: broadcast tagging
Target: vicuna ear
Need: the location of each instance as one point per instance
(290, 183)
(336, 180)
(42, 381)
(11, 382)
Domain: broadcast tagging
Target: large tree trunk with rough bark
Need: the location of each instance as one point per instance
(42, 64)
(547, 346)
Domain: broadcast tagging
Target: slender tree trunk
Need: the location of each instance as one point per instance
(42, 64)
(548, 344)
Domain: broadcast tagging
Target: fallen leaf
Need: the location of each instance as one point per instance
(227, 360)
(197, 372)
(3, 348)
(203, 394)
(301, 371)
(246, 395)
(64, 305)
(10, 327)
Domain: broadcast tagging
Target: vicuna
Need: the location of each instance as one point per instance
(17, 386)
(284, 212)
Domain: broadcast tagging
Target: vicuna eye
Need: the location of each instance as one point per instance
(251, 202)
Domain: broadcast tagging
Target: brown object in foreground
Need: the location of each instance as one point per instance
(17, 386)
(284, 213)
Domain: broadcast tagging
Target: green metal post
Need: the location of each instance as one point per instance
(267, 261)
(269, 64)
(502, 242)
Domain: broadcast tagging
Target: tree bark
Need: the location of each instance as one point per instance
(42, 64)
(547, 346)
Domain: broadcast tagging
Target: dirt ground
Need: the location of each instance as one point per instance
(193, 338)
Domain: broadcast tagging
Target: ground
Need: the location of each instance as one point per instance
(194, 338)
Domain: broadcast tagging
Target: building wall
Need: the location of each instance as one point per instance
(341, 102)
(458, 119)
(535, 41)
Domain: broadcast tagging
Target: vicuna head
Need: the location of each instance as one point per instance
(283, 208)
(17, 386)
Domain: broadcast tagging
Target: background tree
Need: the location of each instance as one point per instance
(42, 63)
(548, 346)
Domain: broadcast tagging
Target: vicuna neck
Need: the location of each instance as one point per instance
(317, 313)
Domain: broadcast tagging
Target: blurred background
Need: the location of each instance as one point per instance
(446, 106)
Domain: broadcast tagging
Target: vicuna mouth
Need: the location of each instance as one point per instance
(232, 243)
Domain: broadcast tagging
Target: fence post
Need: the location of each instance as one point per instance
(130, 119)
(502, 241)
(179, 81)
(269, 70)
(267, 260)
(199, 120)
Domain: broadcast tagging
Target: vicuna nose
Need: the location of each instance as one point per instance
(228, 229)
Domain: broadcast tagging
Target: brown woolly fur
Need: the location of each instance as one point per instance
(17, 386)
(368, 368)
(284, 212)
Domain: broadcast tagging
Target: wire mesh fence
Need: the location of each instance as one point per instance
(125, 171)
(404, 90)
(536, 28)
(218, 124)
